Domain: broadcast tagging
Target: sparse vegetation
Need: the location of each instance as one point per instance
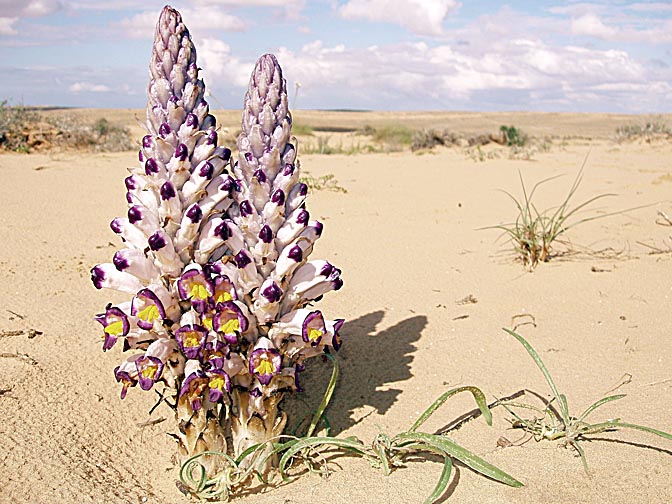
(647, 131)
(322, 183)
(101, 136)
(393, 138)
(322, 145)
(26, 130)
(300, 129)
(430, 138)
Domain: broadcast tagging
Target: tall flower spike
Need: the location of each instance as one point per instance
(175, 194)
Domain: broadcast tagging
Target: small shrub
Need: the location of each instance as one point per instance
(513, 136)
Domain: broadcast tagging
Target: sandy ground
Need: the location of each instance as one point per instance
(406, 236)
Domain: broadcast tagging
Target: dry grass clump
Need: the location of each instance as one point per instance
(322, 183)
(26, 130)
(426, 139)
(648, 131)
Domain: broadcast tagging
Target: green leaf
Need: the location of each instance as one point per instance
(599, 403)
(540, 364)
(650, 430)
(479, 397)
(327, 396)
(455, 451)
(443, 482)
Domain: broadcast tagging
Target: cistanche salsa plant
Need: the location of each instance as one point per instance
(216, 259)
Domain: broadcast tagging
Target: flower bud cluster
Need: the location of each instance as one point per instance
(216, 253)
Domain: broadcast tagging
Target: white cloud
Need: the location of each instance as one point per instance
(650, 7)
(422, 17)
(7, 25)
(199, 20)
(419, 76)
(220, 66)
(591, 25)
(579, 8)
(289, 9)
(31, 8)
(88, 87)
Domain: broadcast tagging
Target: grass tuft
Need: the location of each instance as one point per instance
(535, 233)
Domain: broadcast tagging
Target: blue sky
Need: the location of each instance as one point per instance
(601, 56)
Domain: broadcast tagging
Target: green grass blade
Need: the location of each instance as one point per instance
(644, 428)
(564, 406)
(455, 451)
(327, 396)
(198, 483)
(582, 454)
(597, 404)
(303, 443)
(443, 482)
(540, 364)
(479, 397)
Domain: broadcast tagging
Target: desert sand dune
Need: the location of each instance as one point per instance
(407, 238)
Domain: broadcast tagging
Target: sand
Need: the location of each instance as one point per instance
(407, 237)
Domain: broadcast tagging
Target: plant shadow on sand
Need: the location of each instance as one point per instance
(369, 360)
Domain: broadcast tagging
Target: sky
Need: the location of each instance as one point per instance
(545, 55)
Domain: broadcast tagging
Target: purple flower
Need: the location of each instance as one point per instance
(115, 324)
(336, 341)
(149, 371)
(265, 361)
(194, 384)
(195, 286)
(148, 308)
(272, 292)
(215, 353)
(313, 328)
(190, 339)
(224, 290)
(229, 321)
(126, 374)
(218, 382)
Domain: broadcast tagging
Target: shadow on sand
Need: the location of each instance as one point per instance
(368, 361)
